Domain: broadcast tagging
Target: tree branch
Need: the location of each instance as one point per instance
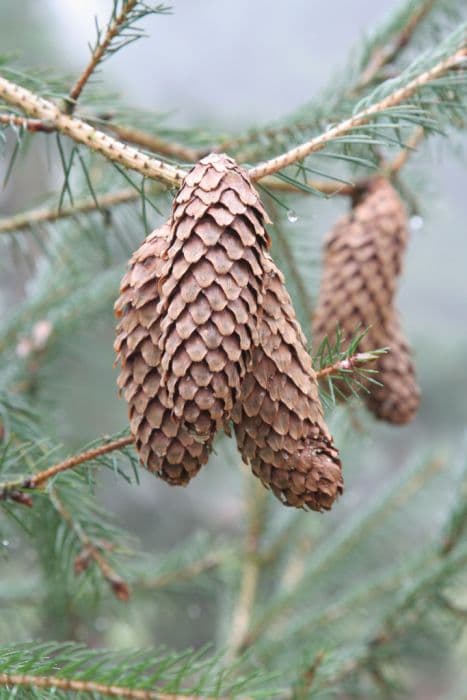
(319, 142)
(81, 132)
(10, 488)
(90, 687)
(105, 202)
(155, 144)
(99, 52)
(90, 551)
(382, 55)
(349, 364)
(250, 571)
(44, 215)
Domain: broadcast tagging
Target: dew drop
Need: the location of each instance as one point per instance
(292, 216)
(416, 222)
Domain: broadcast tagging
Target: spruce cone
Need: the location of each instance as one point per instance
(208, 335)
(189, 305)
(164, 445)
(362, 262)
(279, 423)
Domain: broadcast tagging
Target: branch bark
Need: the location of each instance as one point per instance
(90, 687)
(82, 133)
(99, 52)
(250, 570)
(319, 142)
(383, 55)
(39, 479)
(91, 551)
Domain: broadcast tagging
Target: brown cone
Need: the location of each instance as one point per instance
(164, 445)
(190, 302)
(362, 261)
(279, 423)
(208, 334)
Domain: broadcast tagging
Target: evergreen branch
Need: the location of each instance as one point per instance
(382, 55)
(90, 551)
(118, 23)
(397, 97)
(349, 364)
(396, 621)
(83, 133)
(149, 142)
(343, 539)
(42, 215)
(41, 478)
(387, 43)
(99, 51)
(11, 680)
(257, 502)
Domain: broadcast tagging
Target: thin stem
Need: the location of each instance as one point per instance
(82, 132)
(346, 365)
(319, 142)
(90, 551)
(99, 52)
(90, 687)
(25, 123)
(250, 571)
(155, 144)
(382, 55)
(40, 479)
(41, 215)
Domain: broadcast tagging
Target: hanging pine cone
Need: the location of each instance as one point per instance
(189, 305)
(279, 422)
(362, 261)
(159, 436)
(201, 318)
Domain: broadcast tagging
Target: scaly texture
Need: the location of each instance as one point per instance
(164, 444)
(363, 256)
(190, 301)
(208, 335)
(279, 421)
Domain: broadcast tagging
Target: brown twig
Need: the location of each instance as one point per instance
(382, 55)
(307, 678)
(99, 52)
(250, 570)
(90, 551)
(319, 142)
(349, 364)
(41, 215)
(90, 687)
(83, 133)
(41, 478)
(33, 125)
(155, 144)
